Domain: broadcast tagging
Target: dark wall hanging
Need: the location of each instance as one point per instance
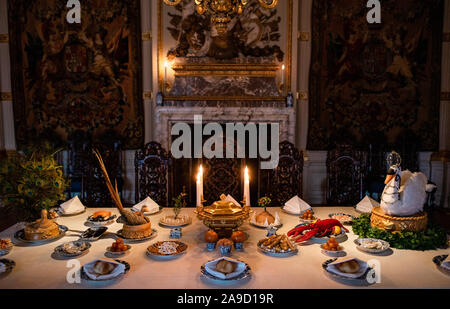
(85, 76)
(368, 78)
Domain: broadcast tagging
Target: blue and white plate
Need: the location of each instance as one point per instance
(9, 265)
(6, 250)
(360, 281)
(241, 277)
(347, 222)
(81, 246)
(101, 222)
(274, 253)
(439, 260)
(338, 253)
(321, 240)
(86, 277)
(134, 240)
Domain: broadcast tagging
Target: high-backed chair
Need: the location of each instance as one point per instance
(152, 165)
(346, 169)
(285, 181)
(95, 193)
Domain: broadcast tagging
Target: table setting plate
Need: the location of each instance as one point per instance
(117, 253)
(108, 221)
(133, 240)
(86, 278)
(241, 277)
(166, 256)
(360, 281)
(339, 253)
(276, 254)
(358, 242)
(148, 213)
(20, 236)
(176, 225)
(6, 250)
(438, 260)
(9, 265)
(59, 249)
(331, 215)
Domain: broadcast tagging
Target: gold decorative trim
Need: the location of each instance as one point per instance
(6, 96)
(303, 36)
(446, 37)
(147, 35)
(147, 95)
(442, 155)
(4, 38)
(260, 70)
(222, 98)
(445, 96)
(302, 95)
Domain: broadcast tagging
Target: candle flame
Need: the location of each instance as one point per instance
(166, 63)
(283, 67)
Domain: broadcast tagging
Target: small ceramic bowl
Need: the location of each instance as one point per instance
(210, 246)
(238, 245)
(118, 253)
(338, 253)
(225, 250)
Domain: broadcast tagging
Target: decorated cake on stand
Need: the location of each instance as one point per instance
(402, 201)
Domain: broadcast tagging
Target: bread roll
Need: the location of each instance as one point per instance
(103, 268)
(349, 267)
(225, 267)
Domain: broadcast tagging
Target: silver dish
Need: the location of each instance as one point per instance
(438, 260)
(9, 265)
(85, 277)
(60, 213)
(342, 214)
(273, 253)
(360, 281)
(384, 245)
(98, 231)
(132, 240)
(60, 249)
(243, 276)
(20, 235)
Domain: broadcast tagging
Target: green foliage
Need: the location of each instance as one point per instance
(179, 202)
(31, 181)
(434, 237)
(264, 202)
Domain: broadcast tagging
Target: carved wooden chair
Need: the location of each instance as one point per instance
(285, 181)
(152, 165)
(95, 193)
(346, 170)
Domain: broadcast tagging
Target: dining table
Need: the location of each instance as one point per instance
(38, 267)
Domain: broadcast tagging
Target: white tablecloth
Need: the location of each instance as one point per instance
(36, 267)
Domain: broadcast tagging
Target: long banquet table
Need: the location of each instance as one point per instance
(36, 267)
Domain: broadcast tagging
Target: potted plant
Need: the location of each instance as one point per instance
(31, 181)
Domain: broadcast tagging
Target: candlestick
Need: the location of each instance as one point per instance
(200, 186)
(246, 187)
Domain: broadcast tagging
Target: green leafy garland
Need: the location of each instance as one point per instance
(434, 237)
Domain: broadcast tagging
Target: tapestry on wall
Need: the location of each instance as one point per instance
(69, 77)
(368, 79)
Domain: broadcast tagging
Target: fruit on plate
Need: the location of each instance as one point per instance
(119, 246)
(5, 243)
(308, 215)
(238, 236)
(211, 236)
(101, 214)
(332, 245)
(224, 242)
(337, 230)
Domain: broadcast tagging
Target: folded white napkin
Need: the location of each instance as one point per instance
(362, 268)
(88, 269)
(151, 205)
(366, 205)
(72, 206)
(296, 205)
(231, 199)
(211, 268)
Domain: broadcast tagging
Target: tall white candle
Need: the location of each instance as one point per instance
(166, 64)
(282, 74)
(246, 187)
(200, 186)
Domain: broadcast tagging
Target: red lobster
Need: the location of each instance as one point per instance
(321, 228)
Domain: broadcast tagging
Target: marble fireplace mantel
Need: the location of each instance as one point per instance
(231, 112)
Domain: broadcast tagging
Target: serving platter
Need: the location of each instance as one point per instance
(84, 276)
(438, 260)
(241, 277)
(133, 240)
(60, 249)
(104, 222)
(273, 253)
(321, 240)
(153, 250)
(148, 213)
(9, 265)
(20, 236)
(360, 281)
(359, 245)
(348, 222)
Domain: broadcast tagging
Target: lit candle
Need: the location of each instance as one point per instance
(200, 186)
(282, 74)
(246, 187)
(166, 65)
